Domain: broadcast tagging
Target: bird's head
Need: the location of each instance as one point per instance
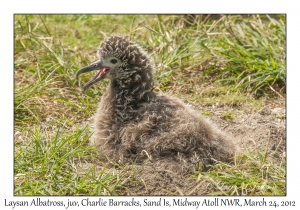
(120, 60)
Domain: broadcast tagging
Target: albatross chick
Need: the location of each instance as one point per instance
(134, 124)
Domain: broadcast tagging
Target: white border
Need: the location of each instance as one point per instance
(153, 6)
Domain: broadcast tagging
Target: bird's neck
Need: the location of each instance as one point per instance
(130, 97)
(126, 102)
(131, 90)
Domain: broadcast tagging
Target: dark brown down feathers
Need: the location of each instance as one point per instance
(135, 124)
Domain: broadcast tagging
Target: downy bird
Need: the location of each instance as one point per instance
(135, 124)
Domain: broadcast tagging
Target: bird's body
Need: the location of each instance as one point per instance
(133, 123)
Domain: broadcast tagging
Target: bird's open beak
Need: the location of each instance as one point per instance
(98, 65)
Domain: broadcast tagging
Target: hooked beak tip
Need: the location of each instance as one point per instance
(94, 66)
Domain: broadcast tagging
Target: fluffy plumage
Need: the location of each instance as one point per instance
(134, 123)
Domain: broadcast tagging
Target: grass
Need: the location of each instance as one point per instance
(63, 164)
(235, 61)
(254, 54)
(228, 116)
(254, 173)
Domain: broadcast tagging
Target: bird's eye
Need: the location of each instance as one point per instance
(113, 61)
